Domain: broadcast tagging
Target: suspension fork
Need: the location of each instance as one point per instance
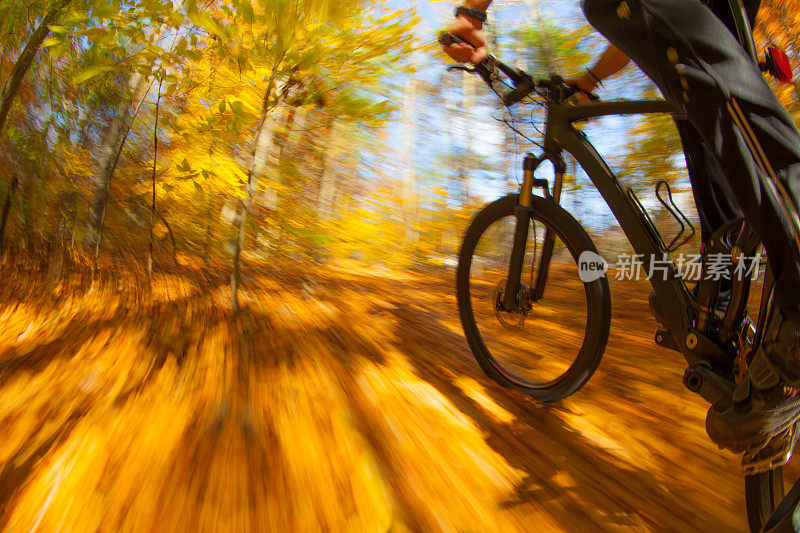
(523, 214)
(549, 236)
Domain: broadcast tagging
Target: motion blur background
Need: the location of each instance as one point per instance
(228, 237)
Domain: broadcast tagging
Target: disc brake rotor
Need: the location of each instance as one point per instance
(524, 303)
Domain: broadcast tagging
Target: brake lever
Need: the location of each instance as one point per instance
(465, 68)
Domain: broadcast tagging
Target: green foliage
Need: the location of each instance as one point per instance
(222, 67)
(550, 49)
(654, 152)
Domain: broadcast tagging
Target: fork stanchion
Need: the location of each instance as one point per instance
(529, 167)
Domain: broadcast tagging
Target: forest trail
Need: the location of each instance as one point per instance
(347, 401)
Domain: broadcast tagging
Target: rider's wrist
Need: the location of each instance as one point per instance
(475, 23)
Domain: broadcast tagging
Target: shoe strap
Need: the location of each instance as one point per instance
(762, 372)
(742, 390)
(773, 327)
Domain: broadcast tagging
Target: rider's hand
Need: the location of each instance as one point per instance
(470, 30)
(585, 83)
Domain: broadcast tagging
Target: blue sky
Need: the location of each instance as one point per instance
(488, 137)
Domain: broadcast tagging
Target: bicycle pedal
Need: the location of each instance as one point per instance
(776, 452)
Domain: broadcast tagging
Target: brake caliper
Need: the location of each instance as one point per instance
(515, 318)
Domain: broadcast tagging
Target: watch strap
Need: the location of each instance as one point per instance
(473, 13)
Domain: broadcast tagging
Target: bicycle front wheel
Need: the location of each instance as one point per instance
(763, 493)
(551, 345)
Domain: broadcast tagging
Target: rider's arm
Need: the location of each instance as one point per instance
(480, 5)
(470, 30)
(611, 61)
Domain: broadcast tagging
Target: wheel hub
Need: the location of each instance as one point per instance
(523, 304)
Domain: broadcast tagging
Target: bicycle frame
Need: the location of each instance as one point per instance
(670, 289)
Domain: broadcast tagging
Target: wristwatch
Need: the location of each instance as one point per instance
(473, 13)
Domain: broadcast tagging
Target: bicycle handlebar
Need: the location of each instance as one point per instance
(524, 85)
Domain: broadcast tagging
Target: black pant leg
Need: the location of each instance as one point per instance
(712, 194)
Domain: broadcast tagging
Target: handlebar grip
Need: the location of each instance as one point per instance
(484, 69)
(446, 38)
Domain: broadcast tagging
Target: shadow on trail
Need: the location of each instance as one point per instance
(303, 351)
(579, 482)
(537, 442)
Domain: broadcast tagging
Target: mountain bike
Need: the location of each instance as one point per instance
(526, 261)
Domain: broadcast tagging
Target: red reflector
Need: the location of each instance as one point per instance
(778, 64)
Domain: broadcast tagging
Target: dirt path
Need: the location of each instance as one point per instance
(347, 403)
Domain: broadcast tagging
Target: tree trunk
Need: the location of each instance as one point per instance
(98, 236)
(327, 180)
(262, 140)
(284, 147)
(21, 66)
(281, 145)
(25, 60)
(6, 210)
(112, 146)
(282, 140)
(153, 206)
(171, 239)
(320, 145)
(56, 262)
(468, 100)
(250, 188)
(209, 228)
(408, 185)
(65, 208)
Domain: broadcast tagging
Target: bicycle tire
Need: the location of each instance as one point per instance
(597, 293)
(763, 493)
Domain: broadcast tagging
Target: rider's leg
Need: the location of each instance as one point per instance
(699, 66)
(715, 201)
(712, 192)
